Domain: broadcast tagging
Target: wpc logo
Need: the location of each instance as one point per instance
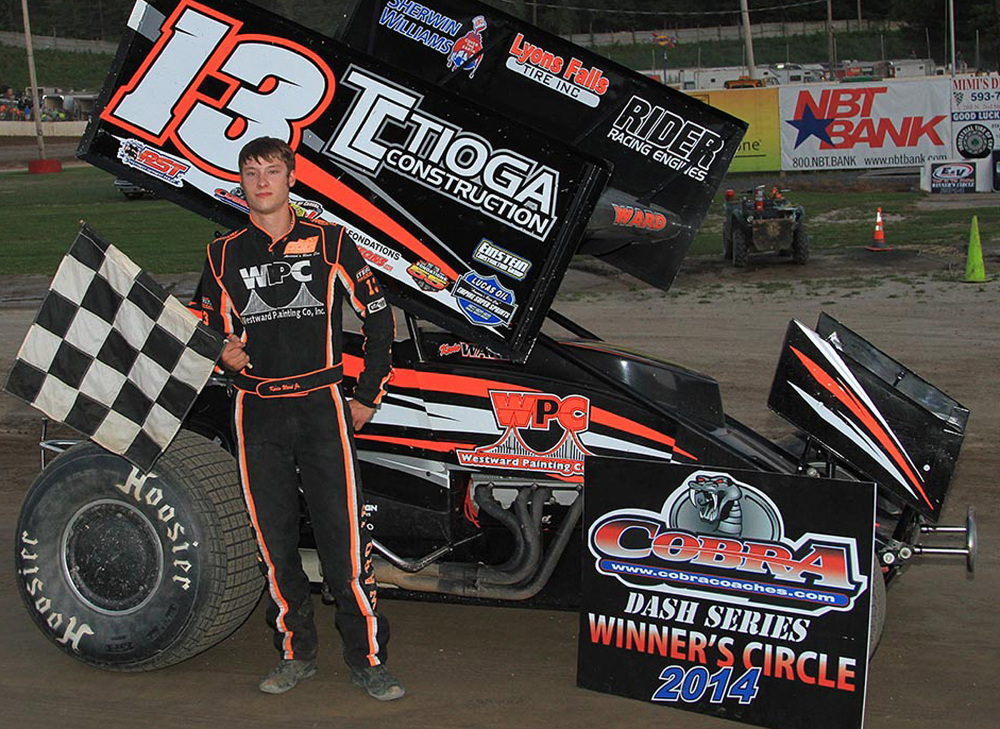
(844, 118)
(540, 433)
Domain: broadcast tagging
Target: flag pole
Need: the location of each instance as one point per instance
(35, 105)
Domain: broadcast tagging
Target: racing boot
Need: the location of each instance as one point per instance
(378, 682)
(285, 675)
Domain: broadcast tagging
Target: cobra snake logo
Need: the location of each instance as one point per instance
(717, 499)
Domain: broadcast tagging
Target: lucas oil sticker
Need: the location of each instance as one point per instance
(484, 301)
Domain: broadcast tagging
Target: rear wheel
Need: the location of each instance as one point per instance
(727, 239)
(132, 572)
(741, 250)
(877, 610)
(795, 444)
(800, 245)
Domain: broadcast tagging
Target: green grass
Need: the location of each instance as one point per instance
(61, 69)
(846, 219)
(42, 213)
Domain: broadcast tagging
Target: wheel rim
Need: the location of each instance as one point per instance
(112, 557)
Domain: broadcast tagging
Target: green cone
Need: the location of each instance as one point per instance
(975, 271)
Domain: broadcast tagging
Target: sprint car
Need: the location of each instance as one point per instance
(475, 479)
(475, 466)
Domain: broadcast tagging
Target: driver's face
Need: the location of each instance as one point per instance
(266, 183)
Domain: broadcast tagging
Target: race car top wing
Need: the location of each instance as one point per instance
(669, 151)
(468, 218)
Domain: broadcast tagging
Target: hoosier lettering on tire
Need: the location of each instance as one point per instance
(132, 572)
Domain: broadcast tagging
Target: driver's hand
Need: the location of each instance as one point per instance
(234, 357)
(360, 414)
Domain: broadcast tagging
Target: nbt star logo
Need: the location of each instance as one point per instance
(843, 119)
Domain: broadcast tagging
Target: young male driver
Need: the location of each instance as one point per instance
(275, 287)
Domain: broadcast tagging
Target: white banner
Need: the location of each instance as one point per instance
(865, 125)
(975, 116)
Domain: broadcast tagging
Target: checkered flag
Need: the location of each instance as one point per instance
(112, 354)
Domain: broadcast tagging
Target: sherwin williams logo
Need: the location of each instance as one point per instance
(468, 51)
(420, 24)
(719, 538)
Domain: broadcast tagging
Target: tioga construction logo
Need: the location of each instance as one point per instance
(722, 539)
(499, 183)
(540, 433)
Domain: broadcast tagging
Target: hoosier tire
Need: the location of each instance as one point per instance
(128, 572)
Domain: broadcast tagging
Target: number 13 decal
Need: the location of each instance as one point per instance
(263, 86)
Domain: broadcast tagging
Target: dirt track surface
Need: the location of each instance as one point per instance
(495, 667)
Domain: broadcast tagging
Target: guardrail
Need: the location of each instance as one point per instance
(55, 43)
(729, 32)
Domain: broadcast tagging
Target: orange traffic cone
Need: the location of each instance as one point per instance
(878, 243)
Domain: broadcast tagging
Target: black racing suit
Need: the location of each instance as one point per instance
(283, 299)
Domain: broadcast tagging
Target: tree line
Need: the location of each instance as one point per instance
(925, 21)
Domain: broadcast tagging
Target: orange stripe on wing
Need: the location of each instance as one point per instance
(861, 412)
(433, 382)
(604, 417)
(331, 187)
(428, 445)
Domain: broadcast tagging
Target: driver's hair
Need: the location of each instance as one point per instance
(267, 148)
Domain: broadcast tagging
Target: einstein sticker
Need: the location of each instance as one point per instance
(735, 593)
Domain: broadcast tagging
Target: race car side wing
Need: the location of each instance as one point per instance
(894, 427)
